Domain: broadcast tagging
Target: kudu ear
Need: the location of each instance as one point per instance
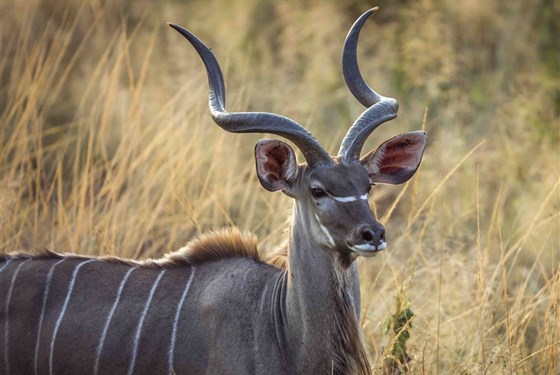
(276, 164)
(396, 160)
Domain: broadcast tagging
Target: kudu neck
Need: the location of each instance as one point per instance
(322, 296)
(316, 269)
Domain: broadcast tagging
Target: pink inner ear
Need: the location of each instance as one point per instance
(275, 164)
(396, 160)
(402, 154)
(276, 157)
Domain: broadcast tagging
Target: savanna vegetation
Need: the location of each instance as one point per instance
(107, 147)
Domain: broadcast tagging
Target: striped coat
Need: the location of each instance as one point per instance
(72, 314)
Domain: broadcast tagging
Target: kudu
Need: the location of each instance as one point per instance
(214, 307)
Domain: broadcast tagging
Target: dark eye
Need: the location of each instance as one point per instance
(370, 187)
(318, 193)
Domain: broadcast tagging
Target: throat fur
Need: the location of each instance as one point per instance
(347, 355)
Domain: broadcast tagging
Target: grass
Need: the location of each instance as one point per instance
(108, 148)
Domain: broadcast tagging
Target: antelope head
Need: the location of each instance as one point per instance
(331, 193)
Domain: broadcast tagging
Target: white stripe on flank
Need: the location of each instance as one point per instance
(43, 308)
(7, 318)
(6, 264)
(141, 323)
(108, 322)
(63, 311)
(176, 322)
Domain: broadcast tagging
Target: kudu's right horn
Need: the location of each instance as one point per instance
(252, 122)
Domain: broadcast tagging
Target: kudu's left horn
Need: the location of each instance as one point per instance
(380, 109)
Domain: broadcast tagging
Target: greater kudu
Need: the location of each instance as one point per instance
(213, 307)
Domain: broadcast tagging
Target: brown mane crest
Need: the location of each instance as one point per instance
(215, 245)
(211, 246)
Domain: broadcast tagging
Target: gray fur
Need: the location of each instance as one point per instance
(239, 317)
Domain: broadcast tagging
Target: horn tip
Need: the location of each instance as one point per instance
(178, 28)
(181, 30)
(369, 12)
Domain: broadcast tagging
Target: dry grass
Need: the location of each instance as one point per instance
(108, 148)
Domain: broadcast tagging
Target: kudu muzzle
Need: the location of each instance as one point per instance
(367, 239)
(372, 235)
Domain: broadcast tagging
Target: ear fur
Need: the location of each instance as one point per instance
(396, 160)
(276, 164)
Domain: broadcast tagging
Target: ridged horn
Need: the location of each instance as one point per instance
(380, 109)
(251, 122)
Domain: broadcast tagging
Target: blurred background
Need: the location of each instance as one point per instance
(108, 147)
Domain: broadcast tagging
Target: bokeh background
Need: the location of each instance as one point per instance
(107, 147)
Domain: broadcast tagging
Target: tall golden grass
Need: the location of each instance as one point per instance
(108, 148)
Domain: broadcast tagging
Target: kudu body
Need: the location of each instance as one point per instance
(213, 307)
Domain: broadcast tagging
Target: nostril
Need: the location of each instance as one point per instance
(381, 233)
(368, 235)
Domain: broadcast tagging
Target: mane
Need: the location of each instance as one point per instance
(215, 245)
(45, 254)
(208, 247)
(278, 258)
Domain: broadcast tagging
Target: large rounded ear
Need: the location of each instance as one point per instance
(396, 160)
(276, 164)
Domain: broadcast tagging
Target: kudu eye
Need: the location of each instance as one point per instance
(318, 193)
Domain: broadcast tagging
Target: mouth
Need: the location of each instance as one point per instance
(368, 250)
